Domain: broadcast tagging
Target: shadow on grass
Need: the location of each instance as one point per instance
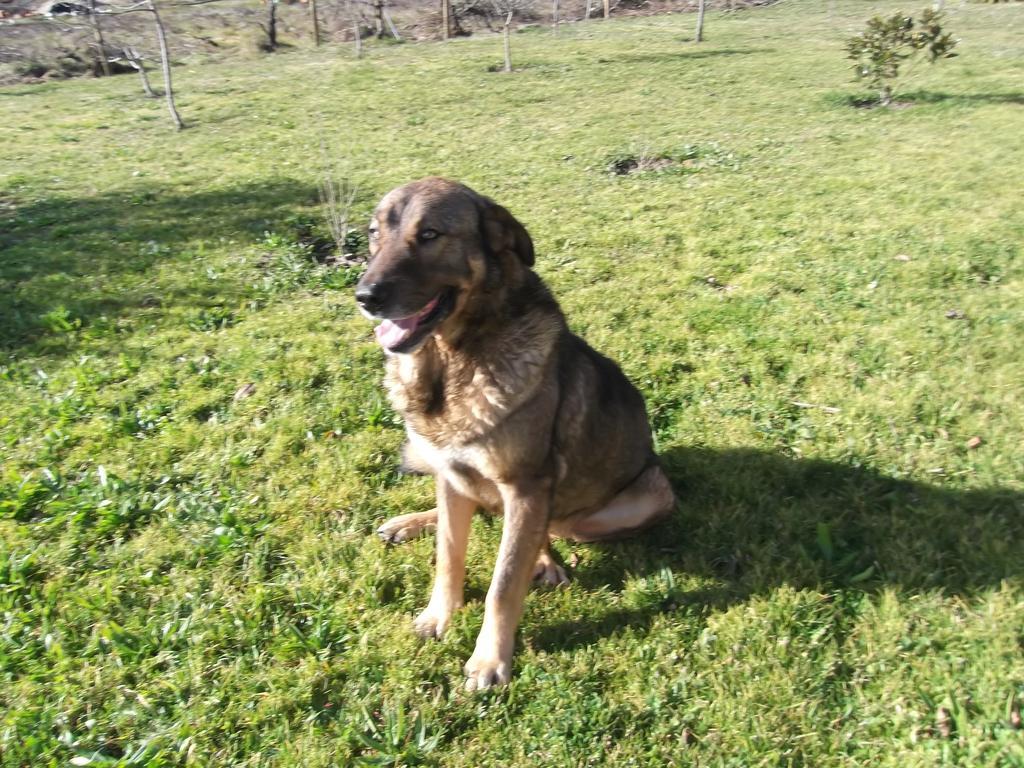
(88, 256)
(751, 521)
(684, 54)
(20, 89)
(905, 100)
(938, 97)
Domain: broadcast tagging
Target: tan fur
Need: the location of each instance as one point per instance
(504, 406)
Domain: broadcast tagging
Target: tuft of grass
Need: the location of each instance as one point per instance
(822, 311)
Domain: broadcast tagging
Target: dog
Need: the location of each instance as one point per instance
(506, 407)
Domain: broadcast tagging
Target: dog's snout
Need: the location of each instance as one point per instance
(373, 296)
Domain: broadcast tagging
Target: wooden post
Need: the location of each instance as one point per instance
(445, 24)
(391, 24)
(607, 8)
(165, 62)
(97, 33)
(315, 22)
(135, 61)
(699, 36)
(506, 34)
(272, 24)
(554, 14)
(590, 4)
(357, 27)
(378, 17)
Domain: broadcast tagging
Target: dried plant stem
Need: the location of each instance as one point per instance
(337, 195)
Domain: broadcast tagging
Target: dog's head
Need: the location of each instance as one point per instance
(435, 246)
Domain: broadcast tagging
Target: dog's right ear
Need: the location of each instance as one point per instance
(501, 232)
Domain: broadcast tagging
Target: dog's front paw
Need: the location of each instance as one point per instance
(486, 671)
(432, 622)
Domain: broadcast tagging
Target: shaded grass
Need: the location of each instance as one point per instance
(190, 577)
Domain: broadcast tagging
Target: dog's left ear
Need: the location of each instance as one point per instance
(503, 232)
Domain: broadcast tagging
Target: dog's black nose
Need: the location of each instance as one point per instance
(373, 297)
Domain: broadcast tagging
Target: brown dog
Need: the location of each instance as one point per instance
(502, 404)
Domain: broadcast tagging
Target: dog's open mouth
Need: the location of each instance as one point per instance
(402, 334)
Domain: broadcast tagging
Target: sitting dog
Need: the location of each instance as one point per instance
(503, 405)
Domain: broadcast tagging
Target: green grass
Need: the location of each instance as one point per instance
(187, 578)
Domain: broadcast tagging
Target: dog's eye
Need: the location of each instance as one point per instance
(429, 234)
(374, 233)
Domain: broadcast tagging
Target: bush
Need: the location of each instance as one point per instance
(882, 48)
(30, 68)
(62, 62)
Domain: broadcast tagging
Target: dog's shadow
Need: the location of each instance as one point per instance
(751, 521)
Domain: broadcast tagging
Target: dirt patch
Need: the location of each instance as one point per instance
(876, 104)
(685, 159)
(624, 166)
(322, 248)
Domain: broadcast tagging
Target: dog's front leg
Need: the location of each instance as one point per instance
(525, 527)
(454, 517)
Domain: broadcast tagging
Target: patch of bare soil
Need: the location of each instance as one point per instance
(876, 104)
(627, 165)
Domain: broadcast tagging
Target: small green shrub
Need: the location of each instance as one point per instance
(212, 319)
(30, 68)
(882, 48)
(60, 320)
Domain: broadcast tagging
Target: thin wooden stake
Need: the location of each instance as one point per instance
(135, 61)
(391, 24)
(506, 34)
(165, 64)
(316, 24)
(97, 33)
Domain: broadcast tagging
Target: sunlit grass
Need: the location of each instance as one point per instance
(822, 310)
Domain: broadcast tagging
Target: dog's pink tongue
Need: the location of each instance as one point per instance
(391, 333)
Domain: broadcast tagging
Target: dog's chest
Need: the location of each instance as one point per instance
(453, 402)
(467, 467)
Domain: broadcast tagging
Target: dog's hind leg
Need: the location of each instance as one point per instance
(407, 527)
(644, 502)
(547, 572)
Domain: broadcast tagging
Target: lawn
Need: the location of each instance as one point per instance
(824, 308)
